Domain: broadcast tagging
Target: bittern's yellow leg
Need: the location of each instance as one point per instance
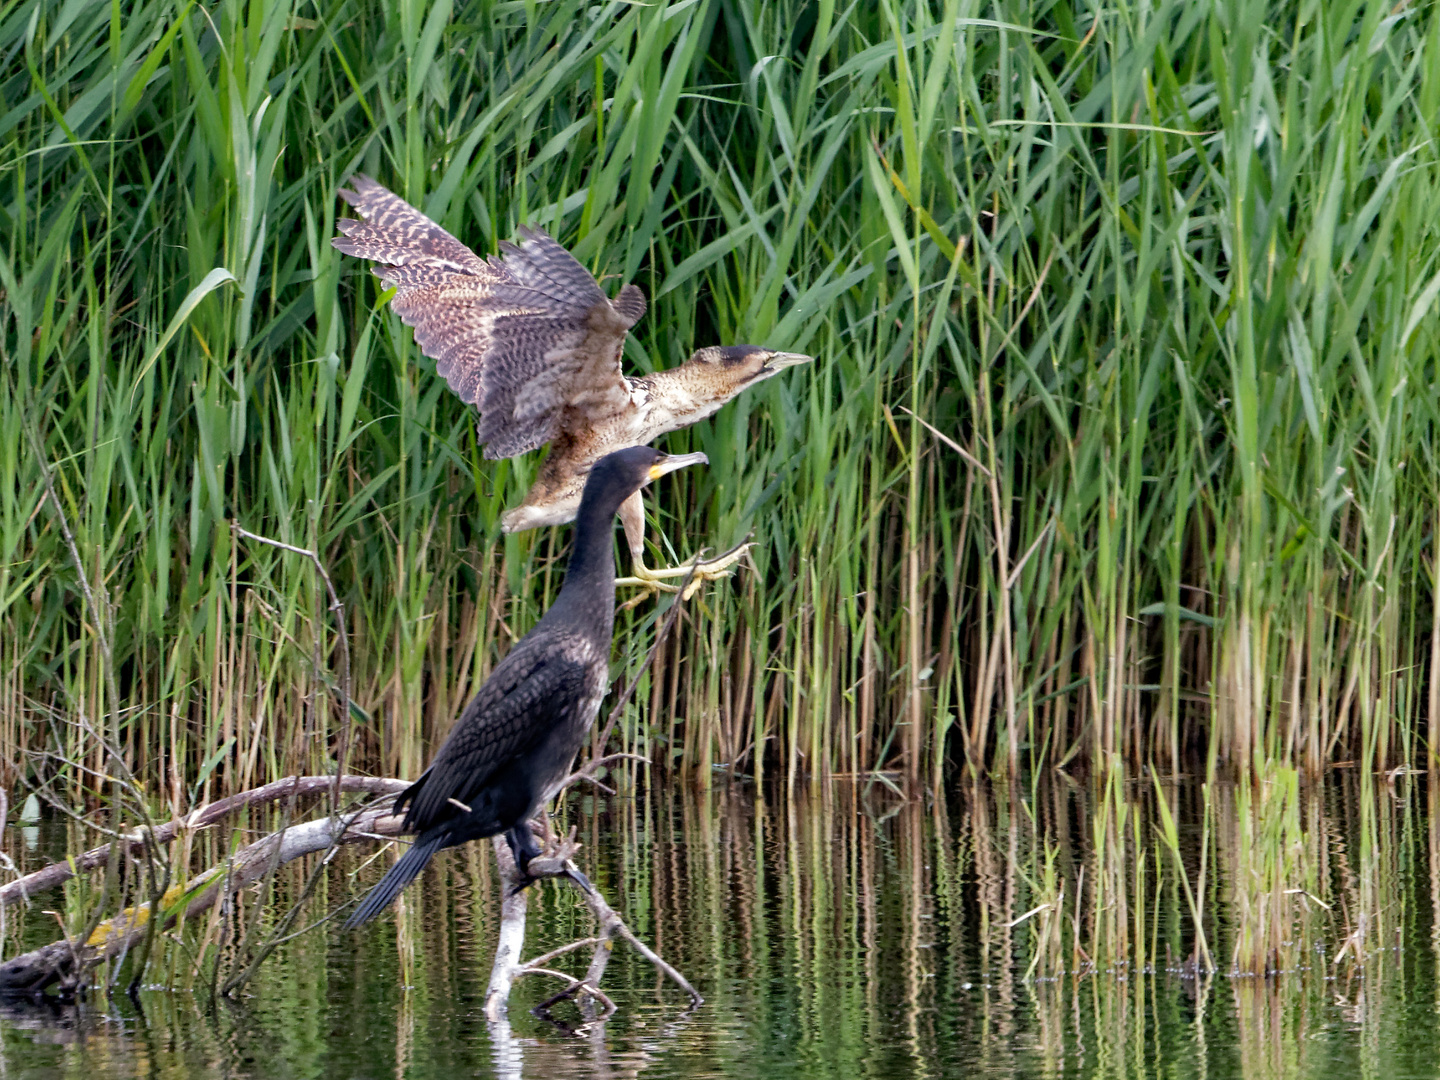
(632, 516)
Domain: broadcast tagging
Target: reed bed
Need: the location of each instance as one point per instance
(1118, 449)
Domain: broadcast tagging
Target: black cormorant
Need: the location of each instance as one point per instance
(533, 342)
(515, 742)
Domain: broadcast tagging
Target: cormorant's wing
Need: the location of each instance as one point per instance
(530, 338)
(519, 705)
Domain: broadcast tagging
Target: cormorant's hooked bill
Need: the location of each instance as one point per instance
(672, 462)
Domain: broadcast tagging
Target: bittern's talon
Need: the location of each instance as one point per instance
(647, 590)
(699, 580)
(641, 579)
(655, 581)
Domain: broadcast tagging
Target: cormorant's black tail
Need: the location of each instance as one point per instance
(399, 875)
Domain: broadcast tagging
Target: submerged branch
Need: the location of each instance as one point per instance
(508, 967)
(65, 962)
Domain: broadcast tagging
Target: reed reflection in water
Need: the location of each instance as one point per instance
(851, 933)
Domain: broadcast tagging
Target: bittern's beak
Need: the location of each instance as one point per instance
(676, 461)
(780, 360)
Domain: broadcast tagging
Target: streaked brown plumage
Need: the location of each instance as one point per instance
(531, 340)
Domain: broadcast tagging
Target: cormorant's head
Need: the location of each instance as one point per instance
(741, 365)
(624, 472)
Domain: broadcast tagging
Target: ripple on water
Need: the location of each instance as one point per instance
(844, 936)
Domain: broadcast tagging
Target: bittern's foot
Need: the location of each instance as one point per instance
(656, 581)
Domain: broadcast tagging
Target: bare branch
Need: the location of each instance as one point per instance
(59, 873)
(66, 961)
(569, 947)
(587, 771)
(508, 966)
(575, 985)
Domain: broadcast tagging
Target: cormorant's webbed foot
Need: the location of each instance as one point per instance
(655, 581)
(580, 879)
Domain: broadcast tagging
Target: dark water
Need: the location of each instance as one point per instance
(848, 936)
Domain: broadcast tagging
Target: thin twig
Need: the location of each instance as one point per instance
(576, 984)
(545, 958)
(586, 771)
(98, 615)
(267, 888)
(281, 932)
(123, 779)
(947, 440)
(342, 751)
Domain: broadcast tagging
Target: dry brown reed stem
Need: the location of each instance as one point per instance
(1433, 686)
(99, 614)
(58, 873)
(342, 751)
(66, 961)
(123, 778)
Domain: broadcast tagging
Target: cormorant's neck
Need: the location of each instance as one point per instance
(592, 561)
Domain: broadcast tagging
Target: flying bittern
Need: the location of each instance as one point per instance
(531, 340)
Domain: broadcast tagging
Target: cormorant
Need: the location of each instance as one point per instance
(533, 342)
(514, 743)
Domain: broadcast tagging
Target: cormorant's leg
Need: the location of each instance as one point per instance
(632, 516)
(524, 848)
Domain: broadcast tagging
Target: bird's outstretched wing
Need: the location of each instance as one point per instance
(518, 705)
(529, 338)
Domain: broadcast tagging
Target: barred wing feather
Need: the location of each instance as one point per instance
(529, 337)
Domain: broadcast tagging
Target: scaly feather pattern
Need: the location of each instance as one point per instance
(523, 337)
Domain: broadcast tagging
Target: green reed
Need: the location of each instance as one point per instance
(1119, 440)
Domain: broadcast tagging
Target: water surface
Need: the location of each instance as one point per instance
(849, 935)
